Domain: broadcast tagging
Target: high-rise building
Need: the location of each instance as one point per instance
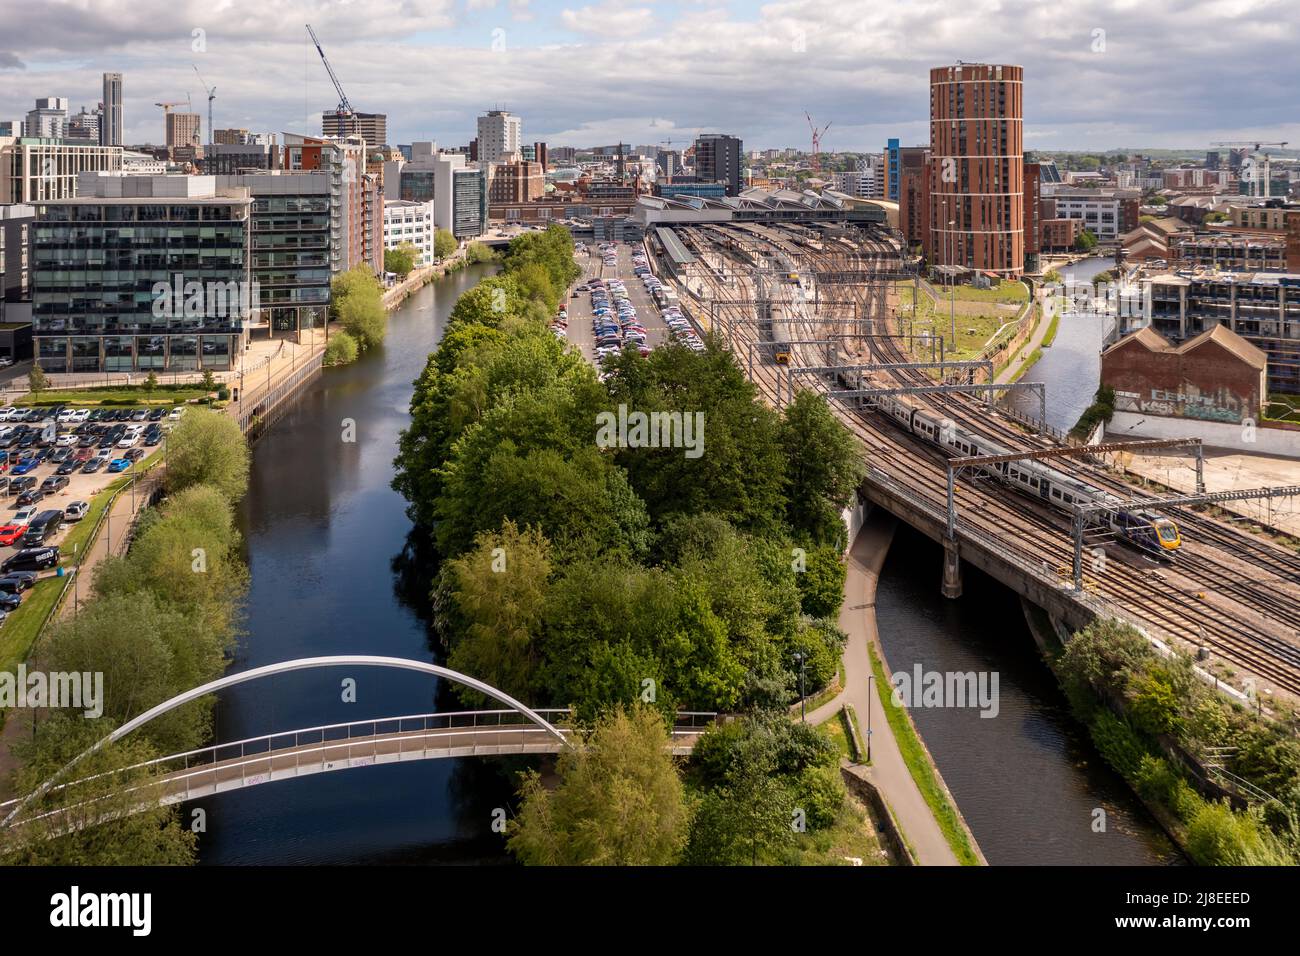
(50, 118)
(230, 137)
(357, 233)
(518, 182)
(499, 137)
(110, 128)
(372, 127)
(460, 196)
(717, 159)
(898, 162)
(84, 127)
(182, 129)
(977, 216)
(40, 170)
(116, 272)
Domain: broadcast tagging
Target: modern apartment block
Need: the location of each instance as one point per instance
(357, 232)
(1262, 307)
(977, 216)
(230, 137)
(717, 159)
(372, 127)
(142, 273)
(900, 161)
(292, 219)
(15, 274)
(34, 170)
(110, 128)
(410, 223)
(229, 159)
(1106, 213)
(500, 136)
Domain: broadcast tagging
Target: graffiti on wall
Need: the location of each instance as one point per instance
(1189, 402)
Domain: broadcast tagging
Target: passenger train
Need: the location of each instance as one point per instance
(1146, 530)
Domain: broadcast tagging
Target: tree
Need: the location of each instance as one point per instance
(477, 252)
(209, 382)
(401, 259)
(444, 243)
(103, 823)
(619, 801)
(37, 381)
(499, 588)
(341, 349)
(1086, 241)
(150, 383)
(821, 582)
(823, 468)
(364, 318)
(207, 447)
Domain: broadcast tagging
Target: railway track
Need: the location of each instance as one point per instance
(1250, 637)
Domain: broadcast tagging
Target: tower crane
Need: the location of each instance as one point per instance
(817, 135)
(1261, 179)
(344, 110)
(212, 95)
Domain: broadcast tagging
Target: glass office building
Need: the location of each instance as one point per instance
(142, 283)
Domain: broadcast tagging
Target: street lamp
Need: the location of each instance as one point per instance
(870, 680)
(952, 291)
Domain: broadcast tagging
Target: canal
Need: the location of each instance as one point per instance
(1071, 367)
(332, 572)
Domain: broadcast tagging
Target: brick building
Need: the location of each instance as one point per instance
(1217, 376)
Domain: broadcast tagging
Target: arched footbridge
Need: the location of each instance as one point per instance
(285, 755)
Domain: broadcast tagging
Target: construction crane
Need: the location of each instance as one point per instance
(817, 135)
(344, 109)
(212, 95)
(1261, 172)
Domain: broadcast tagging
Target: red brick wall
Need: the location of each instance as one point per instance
(1208, 383)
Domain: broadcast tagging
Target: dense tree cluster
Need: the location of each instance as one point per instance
(581, 575)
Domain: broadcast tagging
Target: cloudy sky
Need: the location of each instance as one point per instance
(1099, 73)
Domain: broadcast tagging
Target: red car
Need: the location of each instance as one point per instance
(10, 533)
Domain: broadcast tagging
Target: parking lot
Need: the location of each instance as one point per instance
(53, 458)
(580, 331)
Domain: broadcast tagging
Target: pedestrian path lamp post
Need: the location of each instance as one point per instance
(871, 679)
(803, 705)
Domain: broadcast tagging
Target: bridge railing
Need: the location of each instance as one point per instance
(194, 773)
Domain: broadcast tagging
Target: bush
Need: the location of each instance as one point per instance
(341, 349)
(207, 448)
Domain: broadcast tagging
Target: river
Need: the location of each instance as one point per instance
(323, 531)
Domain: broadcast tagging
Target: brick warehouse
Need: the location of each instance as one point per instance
(1217, 376)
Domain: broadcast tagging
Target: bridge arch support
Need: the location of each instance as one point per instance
(285, 667)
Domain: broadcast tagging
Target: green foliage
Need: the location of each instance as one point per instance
(150, 383)
(821, 583)
(477, 252)
(341, 349)
(364, 318)
(207, 447)
(619, 801)
(1155, 705)
(37, 381)
(401, 259)
(824, 467)
(103, 826)
(444, 243)
(1086, 241)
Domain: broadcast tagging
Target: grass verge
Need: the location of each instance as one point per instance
(918, 764)
(115, 396)
(21, 627)
(1052, 328)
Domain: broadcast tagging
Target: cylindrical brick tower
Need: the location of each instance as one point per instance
(977, 147)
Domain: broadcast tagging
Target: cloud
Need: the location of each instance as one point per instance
(612, 19)
(10, 61)
(1172, 72)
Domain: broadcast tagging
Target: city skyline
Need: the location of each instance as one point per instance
(652, 72)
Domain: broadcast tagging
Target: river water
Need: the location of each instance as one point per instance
(323, 530)
(333, 571)
(1071, 367)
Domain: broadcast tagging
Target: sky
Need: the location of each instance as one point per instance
(1099, 74)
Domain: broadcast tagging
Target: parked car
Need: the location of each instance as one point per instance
(25, 466)
(24, 516)
(118, 465)
(54, 483)
(30, 497)
(134, 454)
(92, 465)
(43, 527)
(31, 559)
(16, 582)
(76, 510)
(19, 485)
(69, 467)
(8, 601)
(10, 533)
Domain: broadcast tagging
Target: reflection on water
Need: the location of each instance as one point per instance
(326, 538)
(1028, 781)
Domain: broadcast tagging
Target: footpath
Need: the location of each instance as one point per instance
(888, 772)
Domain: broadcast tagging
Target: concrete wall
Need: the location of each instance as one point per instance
(1268, 441)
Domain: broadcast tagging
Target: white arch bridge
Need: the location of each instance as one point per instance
(285, 755)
